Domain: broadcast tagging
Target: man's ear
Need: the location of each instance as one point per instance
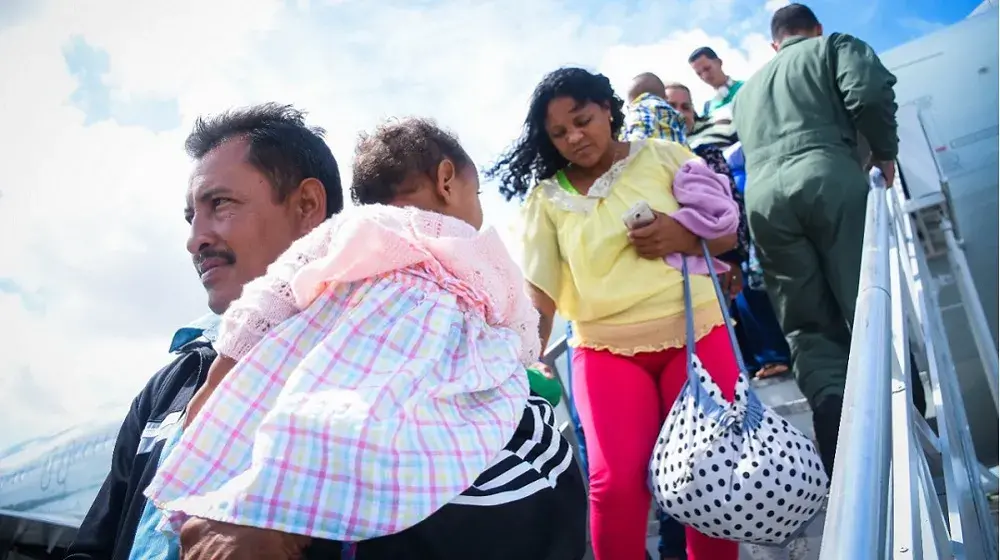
(775, 45)
(446, 173)
(310, 203)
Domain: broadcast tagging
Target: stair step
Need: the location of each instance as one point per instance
(782, 394)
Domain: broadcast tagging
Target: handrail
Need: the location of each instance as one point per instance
(974, 310)
(552, 353)
(857, 515)
(555, 350)
(970, 526)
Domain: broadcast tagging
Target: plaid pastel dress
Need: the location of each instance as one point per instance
(381, 369)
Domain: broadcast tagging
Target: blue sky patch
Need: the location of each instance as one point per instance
(89, 65)
(885, 24)
(32, 302)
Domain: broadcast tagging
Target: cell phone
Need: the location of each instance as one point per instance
(638, 215)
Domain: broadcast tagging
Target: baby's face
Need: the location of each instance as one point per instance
(465, 203)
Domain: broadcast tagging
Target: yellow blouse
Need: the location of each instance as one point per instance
(576, 250)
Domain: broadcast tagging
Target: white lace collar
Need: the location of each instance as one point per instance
(573, 202)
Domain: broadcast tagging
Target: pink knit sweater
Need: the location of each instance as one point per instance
(374, 240)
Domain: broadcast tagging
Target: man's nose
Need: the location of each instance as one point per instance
(202, 235)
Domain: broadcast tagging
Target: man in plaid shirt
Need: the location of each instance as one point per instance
(649, 114)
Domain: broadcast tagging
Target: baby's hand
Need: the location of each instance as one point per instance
(544, 369)
(203, 539)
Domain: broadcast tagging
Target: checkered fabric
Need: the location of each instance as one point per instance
(650, 116)
(357, 418)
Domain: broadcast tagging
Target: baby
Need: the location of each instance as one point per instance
(372, 387)
(649, 115)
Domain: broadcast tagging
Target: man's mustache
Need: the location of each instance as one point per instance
(226, 256)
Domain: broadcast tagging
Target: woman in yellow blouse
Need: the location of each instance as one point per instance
(625, 302)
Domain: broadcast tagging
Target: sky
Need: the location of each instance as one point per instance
(95, 105)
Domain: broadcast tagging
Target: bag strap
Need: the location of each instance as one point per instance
(689, 322)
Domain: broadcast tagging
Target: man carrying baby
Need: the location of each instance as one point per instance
(371, 387)
(529, 502)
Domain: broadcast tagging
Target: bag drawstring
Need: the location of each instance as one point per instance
(746, 408)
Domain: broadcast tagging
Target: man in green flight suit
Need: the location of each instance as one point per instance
(799, 118)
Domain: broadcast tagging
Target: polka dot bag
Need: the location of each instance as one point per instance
(736, 471)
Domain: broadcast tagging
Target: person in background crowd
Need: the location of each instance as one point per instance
(649, 115)
(261, 180)
(798, 119)
(708, 66)
(628, 358)
(678, 96)
(760, 339)
(764, 346)
(714, 130)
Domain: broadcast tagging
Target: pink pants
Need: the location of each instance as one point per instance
(622, 401)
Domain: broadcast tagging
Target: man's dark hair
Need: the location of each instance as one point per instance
(387, 160)
(647, 82)
(677, 85)
(279, 145)
(650, 78)
(703, 51)
(792, 20)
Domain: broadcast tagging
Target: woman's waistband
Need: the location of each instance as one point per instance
(646, 336)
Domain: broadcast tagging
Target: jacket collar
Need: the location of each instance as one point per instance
(205, 327)
(789, 41)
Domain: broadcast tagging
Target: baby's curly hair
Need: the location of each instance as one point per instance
(386, 160)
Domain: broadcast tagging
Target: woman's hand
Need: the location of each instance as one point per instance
(731, 281)
(661, 237)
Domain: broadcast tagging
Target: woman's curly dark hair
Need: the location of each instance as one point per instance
(533, 157)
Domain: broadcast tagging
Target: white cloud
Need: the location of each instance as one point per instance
(91, 215)
(775, 5)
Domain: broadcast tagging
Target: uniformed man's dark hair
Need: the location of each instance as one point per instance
(703, 51)
(279, 145)
(791, 20)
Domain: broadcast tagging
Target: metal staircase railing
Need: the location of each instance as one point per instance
(884, 503)
(884, 500)
(857, 514)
